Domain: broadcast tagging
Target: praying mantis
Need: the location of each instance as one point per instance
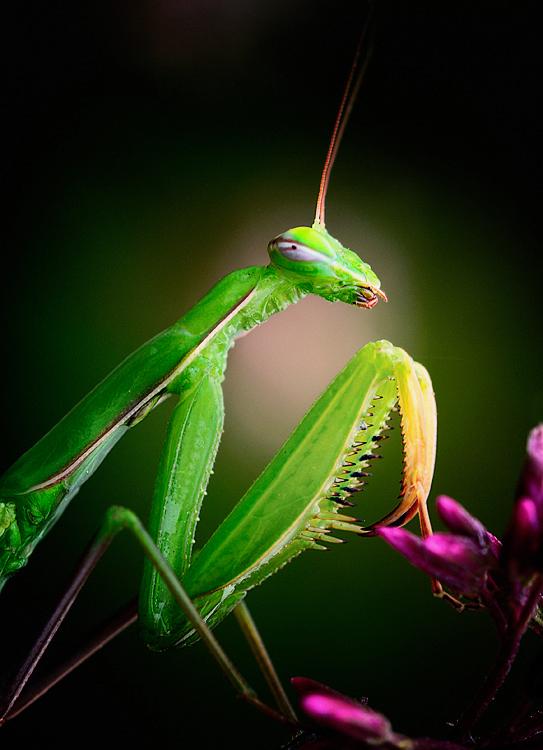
(299, 500)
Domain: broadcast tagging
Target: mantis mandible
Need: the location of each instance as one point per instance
(295, 504)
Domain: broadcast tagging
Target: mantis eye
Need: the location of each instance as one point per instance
(296, 251)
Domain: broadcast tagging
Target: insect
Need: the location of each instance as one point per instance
(296, 504)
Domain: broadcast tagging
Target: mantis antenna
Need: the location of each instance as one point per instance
(356, 74)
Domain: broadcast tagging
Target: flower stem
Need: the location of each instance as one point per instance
(504, 662)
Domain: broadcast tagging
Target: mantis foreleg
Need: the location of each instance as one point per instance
(299, 499)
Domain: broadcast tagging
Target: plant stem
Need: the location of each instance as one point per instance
(504, 662)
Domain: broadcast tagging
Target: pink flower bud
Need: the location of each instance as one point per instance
(344, 715)
(531, 480)
(523, 542)
(457, 561)
(460, 521)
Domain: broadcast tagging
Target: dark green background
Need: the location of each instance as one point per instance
(154, 146)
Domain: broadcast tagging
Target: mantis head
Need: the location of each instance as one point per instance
(310, 255)
(320, 263)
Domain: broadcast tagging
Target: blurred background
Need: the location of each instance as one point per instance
(154, 146)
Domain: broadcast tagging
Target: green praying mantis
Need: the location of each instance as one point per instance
(298, 501)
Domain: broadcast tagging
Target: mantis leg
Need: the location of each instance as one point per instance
(109, 630)
(260, 652)
(119, 518)
(299, 500)
(187, 459)
(186, 464)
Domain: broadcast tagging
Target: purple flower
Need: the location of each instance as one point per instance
(523, 543)
(345, 716)
(461, 560)
(531, 480)
(348, 723)
(460, 521)
(472, 562)
(474, 565)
